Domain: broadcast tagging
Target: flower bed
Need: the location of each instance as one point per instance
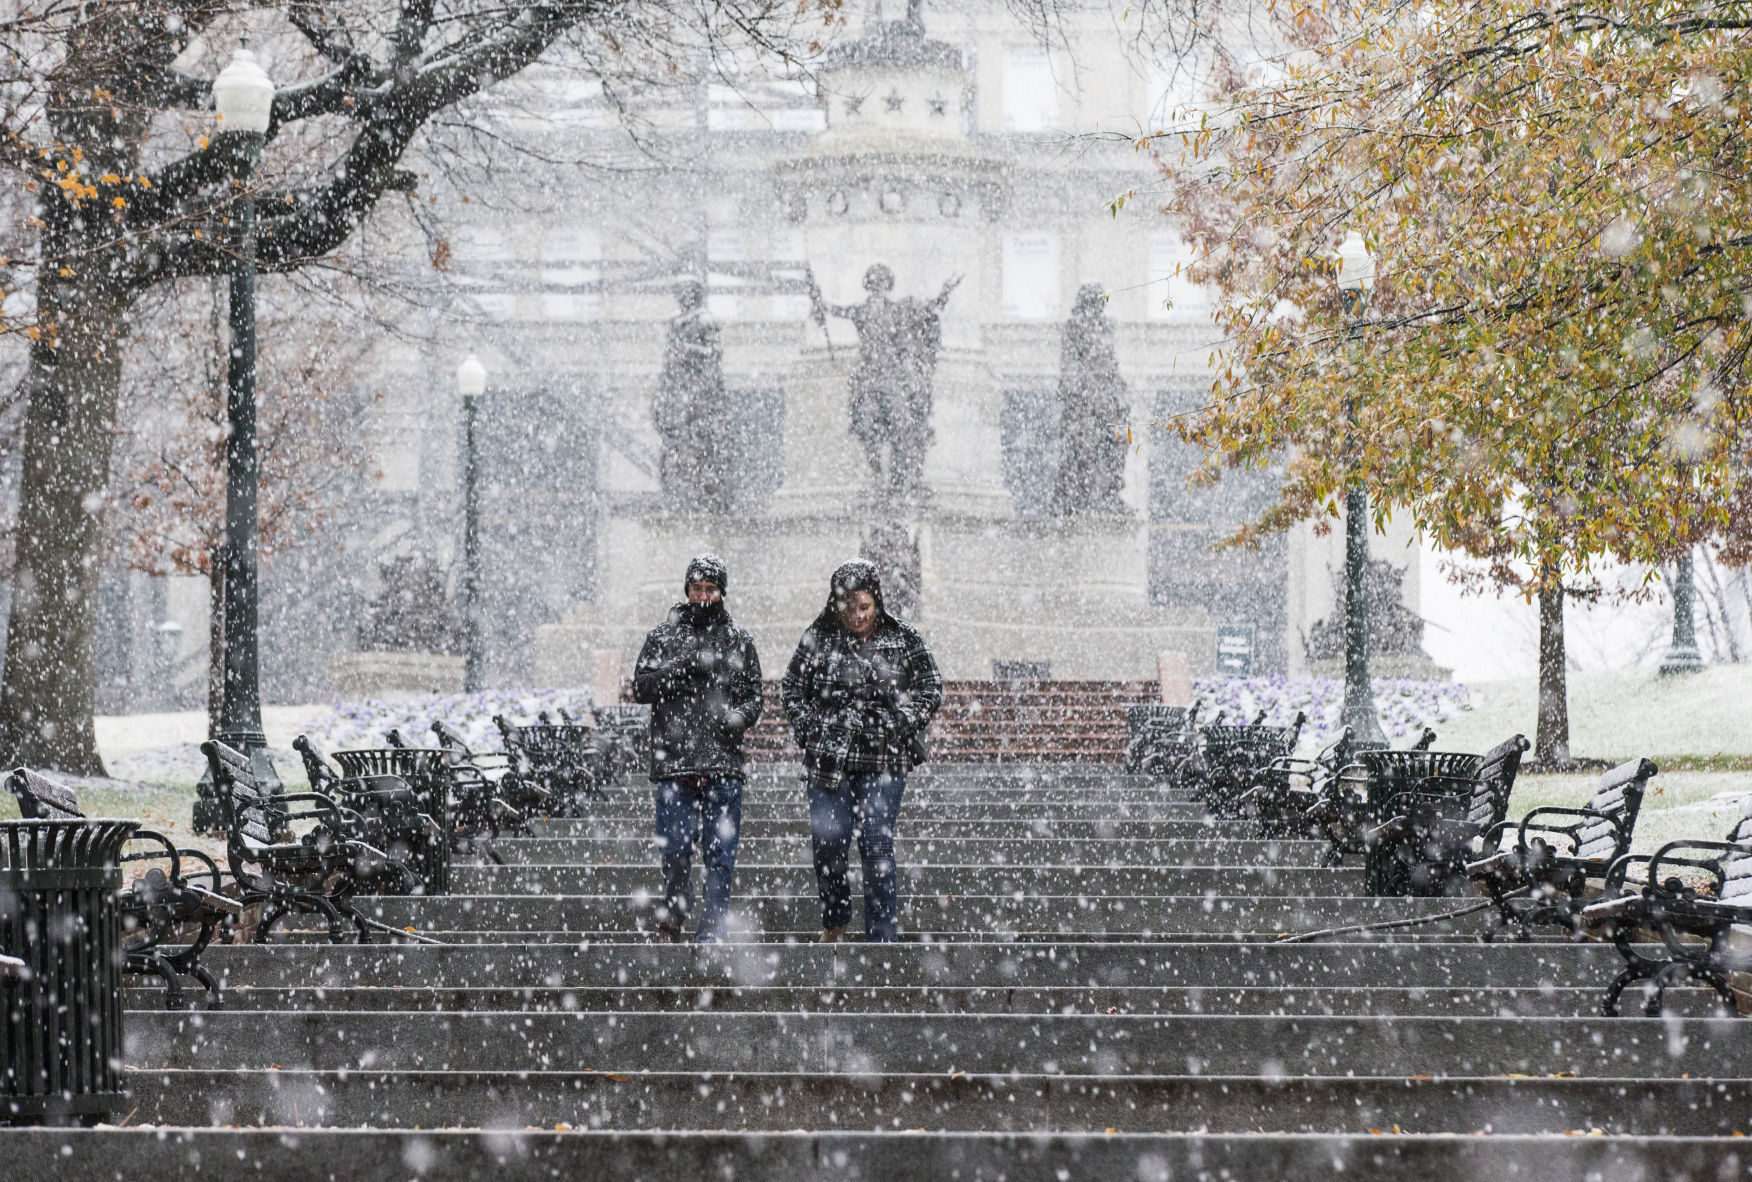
(1405, 706)
(365, 723)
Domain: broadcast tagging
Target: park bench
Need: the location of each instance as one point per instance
(401, 799)
(1430, 824)
(555, 764)
(159, 907)
(316, 873)
(1158, 737)
(1232, 759)
(1693, 893)
(479, 812)
(1542, 875)
(1286, 789)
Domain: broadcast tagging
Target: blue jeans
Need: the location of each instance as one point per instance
(870, 803)
(706, 810)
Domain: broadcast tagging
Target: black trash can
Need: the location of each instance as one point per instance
(377, 778)
(61, 1059)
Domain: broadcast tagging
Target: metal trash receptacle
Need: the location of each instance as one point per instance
(372, 773)
(61, 1025)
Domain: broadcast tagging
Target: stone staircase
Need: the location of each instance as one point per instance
(1090, 987)
(1004, 722)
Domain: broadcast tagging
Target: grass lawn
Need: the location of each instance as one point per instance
(1701, 721)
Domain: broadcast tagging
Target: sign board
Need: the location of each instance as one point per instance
(1235, 650)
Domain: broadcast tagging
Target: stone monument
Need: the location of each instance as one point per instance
(890, 407)
(891, 440)
(689, 410)
(1093, 408)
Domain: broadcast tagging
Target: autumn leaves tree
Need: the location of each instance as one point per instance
(122, 183)
(1551, 367)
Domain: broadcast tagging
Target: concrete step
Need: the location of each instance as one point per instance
(1038, 851)
(994, 786)
(946, 772)
(520, 1154)
(1532, 999)
(640, 807)
(966, 1102)
(1227, 915)
(1392, 1047)
(927, 827)
(632, 937)
(1334, 967)
(782, 820)
(792, 879)
(1050, 799)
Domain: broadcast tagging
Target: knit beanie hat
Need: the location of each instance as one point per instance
(708, 568)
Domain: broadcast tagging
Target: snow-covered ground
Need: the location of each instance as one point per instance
(165, 749)
(1704, 717)
(1699, 726)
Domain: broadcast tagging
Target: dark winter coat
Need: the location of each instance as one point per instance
(700, 675)
(856, 706)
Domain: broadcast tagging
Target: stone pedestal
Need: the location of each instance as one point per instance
(1071, 594)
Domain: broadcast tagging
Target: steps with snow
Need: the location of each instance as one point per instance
(1083, 952)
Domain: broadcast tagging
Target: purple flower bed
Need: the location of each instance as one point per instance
(1405, 706)
(364, 724)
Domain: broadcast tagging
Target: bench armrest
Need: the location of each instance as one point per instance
(1374, 835)
(1667, 855)
(1569, 831)
(434, 831)
(169, 853)
(214, 900)
(1618, 873)
(330, 805)
(1616, 907)
(1501, 860)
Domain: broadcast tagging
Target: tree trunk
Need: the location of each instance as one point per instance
(46, 694)
(1551, 744)
(215, 645)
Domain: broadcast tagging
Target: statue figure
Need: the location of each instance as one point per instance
(1092, 406)
(690, 410)
(891, 385)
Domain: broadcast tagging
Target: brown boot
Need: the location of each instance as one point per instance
(832, 936)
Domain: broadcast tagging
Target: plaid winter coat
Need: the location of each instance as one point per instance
(856, 706)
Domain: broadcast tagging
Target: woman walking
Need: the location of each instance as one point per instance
(859, 692)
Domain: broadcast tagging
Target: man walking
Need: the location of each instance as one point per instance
(700, 675)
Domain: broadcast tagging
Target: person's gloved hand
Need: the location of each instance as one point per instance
(735, 722)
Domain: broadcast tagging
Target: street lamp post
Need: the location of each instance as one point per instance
(471, 383)
(1356, 275)
(243, 95)
(1682, 655)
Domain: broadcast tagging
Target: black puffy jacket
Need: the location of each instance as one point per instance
(700, 675)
